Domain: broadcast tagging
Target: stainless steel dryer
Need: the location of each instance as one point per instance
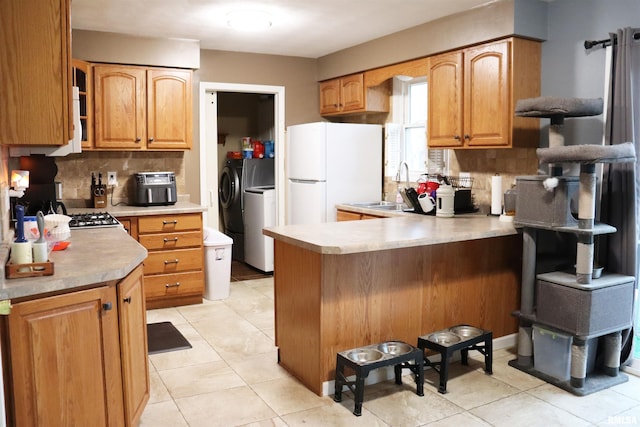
(230, 197)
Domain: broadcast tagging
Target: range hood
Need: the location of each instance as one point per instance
(74, 145)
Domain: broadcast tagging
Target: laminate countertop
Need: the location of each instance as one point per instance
(94, 256)
(409, 230)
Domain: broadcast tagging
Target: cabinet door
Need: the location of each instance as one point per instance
(119, 107)
(486, 91)
(352, 92)
(444, 124)
(35, 81)
(330, 96)
(82, 78)
(347, 216)
(66, 361)
(169, 121)
(133, 342)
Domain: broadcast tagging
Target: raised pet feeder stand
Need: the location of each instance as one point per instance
(463, 338)
(585, 305)
(363, 360)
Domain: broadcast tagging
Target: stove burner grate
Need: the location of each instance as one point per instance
(93, 220)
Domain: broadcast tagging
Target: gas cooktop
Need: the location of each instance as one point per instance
(93, 220)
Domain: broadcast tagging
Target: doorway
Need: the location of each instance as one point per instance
(209, 158)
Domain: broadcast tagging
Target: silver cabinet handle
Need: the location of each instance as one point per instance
(168, 261)
(175, 239)
(165, 222)
(172, 285)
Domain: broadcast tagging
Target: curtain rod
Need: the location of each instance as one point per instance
(588, 44)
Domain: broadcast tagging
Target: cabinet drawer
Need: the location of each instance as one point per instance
(188, 239)
(169, 223)
(173, 261)
(167, 285)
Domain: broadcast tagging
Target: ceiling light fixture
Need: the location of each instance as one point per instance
(248, 20)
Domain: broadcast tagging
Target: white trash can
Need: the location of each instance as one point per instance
(217, 264)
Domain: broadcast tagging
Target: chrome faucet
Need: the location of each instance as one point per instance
(398, 175)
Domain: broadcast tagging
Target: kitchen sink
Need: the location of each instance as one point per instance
(382, 205)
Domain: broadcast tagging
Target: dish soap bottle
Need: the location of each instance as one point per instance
(399, 198)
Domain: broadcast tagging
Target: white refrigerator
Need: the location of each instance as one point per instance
(330, 163)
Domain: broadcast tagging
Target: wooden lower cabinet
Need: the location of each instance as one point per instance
(174, 268)
(357, 299)
(353, 216)
(133, 345)
(78, 359)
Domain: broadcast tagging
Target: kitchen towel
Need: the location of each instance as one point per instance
(496, 195)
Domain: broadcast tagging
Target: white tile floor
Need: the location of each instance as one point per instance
(230, 378)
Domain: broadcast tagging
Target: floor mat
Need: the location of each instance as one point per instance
(163, 337)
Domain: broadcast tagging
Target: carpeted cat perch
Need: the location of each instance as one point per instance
(572, 304)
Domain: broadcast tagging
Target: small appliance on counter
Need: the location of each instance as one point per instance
(154, 189)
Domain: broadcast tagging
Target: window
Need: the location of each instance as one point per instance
(406, 134)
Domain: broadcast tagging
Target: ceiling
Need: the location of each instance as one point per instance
(306, 28)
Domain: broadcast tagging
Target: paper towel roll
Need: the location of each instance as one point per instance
(496, 195)
(21, 254)
(40, 252)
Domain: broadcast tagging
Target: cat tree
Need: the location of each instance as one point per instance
(591, 310)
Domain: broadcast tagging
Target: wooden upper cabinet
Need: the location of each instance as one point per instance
(83, 80)
(348, 95)
(486, 96)
(119, 107)
(445, 101)
(35, 81)
(169, 115)
(352, 92)
(472, 96)
(139, 108)
(330, 97)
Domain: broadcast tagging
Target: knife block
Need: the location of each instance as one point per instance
(99, 193)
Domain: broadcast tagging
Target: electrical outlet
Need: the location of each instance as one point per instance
(112, 178)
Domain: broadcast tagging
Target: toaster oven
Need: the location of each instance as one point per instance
(154, 189)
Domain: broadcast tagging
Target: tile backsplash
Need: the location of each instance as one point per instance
(482, 164)
(74, 171)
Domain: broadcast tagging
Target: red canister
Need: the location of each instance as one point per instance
(258, 150)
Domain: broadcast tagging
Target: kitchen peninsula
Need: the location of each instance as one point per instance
(342, 285)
